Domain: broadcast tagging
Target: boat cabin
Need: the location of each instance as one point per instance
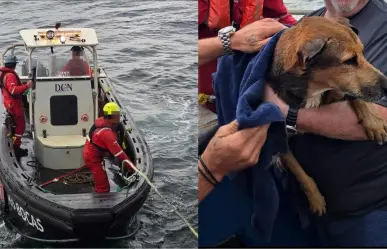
(63, 102)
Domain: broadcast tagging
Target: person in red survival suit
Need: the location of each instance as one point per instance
(212, 19)
(76, 66)
(12, 90)
(101, 143)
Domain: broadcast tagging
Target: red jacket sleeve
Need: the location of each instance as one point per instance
(111, 143)
(11, 83)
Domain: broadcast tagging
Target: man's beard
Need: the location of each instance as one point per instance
(345, 6)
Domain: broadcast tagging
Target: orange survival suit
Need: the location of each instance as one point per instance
(217, 14)
(12, 90)
(77, 67)
(103, 142)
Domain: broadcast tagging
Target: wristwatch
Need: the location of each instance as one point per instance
(225, 36)
(291, 118)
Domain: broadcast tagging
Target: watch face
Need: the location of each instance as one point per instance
(227, 29)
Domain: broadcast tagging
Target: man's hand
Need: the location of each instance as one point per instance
(254, 36)
(29, 83)
(232, 150)
(271, 96)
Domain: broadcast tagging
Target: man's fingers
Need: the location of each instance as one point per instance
(256, 138)
(252, 148)
(227, 129)
(263, 42)
(258, 148)
(244, 142)
(267, 20)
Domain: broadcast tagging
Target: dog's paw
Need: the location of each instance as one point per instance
(376, 129)
(317, 203)
(316, 200)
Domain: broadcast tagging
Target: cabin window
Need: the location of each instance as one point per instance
(64, 110)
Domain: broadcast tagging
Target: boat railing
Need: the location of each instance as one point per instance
(12, 47)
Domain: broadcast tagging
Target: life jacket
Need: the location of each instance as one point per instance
(91, 133)
(3, 72)
(93, 128)
(217, 14)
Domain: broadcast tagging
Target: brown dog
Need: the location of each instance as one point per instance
(316, 62)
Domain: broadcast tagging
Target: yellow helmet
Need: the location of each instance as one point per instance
(111, 108)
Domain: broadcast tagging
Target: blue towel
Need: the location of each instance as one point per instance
(239, 89)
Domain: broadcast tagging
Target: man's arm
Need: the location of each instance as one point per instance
(249, 39)
(228, 151)
(204, 186)
(115, 149)
(12, 87)
(337, 120)
(209, 49)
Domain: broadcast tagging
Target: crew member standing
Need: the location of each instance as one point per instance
(12, 90)
(102, 142)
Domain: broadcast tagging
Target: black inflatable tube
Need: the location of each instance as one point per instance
(43, 216)
(123, 212)
(205, 139)
(50, 213)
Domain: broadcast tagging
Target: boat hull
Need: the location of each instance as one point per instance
(43, 220)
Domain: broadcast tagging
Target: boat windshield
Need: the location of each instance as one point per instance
(62, 63)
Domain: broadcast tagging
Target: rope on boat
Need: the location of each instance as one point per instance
(60, 177)
(159, 194)
(78, 178)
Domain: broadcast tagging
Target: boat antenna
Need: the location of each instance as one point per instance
(158, 193)
(57, 26)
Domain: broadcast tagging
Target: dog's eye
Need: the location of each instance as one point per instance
(351, 62)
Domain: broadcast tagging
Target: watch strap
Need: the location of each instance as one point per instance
(291, 118)
(225, 38)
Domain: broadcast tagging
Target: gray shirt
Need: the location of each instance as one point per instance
(352, 175)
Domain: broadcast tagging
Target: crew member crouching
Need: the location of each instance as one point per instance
(102, 142)
(12, 90)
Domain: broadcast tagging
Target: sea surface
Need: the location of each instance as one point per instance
(149, 49)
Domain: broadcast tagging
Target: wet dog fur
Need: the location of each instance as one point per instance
(317, 62)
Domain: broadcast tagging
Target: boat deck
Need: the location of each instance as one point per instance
(77, 183)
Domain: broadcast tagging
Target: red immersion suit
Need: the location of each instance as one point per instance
(12, 91)
(241, 15)
(77, 67)
(106, 139)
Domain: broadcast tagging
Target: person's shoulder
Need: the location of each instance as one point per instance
(373, 18)
(10, 77)
(318, 12)
(379, 5)
(374, 13)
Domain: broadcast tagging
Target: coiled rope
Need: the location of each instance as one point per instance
(159, 194)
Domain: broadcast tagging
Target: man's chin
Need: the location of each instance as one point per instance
(345, 6)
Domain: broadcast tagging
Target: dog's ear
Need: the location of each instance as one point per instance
(345, 21)
(310, 50)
